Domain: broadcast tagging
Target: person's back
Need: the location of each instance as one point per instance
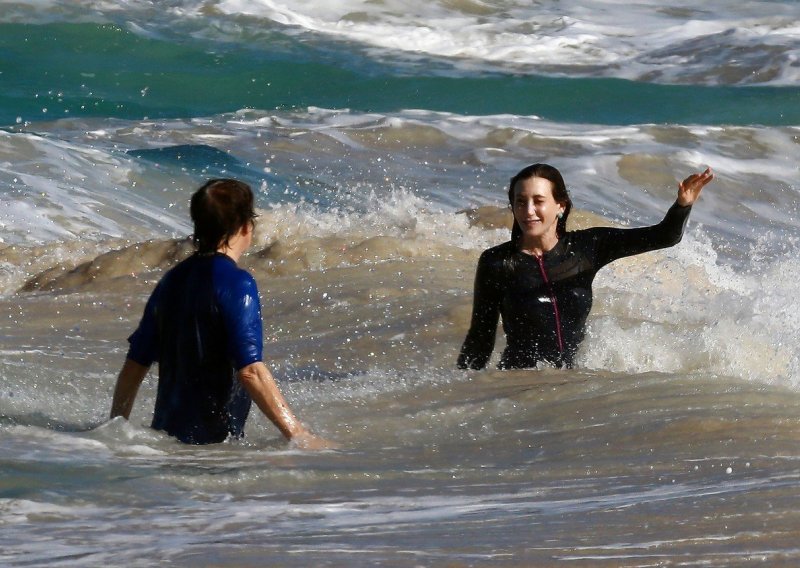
(199, 399)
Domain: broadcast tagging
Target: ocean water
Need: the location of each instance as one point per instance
(379, 137)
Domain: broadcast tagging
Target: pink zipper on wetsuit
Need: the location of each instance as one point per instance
(555, 304)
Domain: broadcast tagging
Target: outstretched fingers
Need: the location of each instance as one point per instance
(690, 188)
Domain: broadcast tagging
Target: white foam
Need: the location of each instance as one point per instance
(15, 511)
(63, 190)
(693, 314)
(746, 42)
(400, 214)
(606, 38)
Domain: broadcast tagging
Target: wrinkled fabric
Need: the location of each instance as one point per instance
(201, 324)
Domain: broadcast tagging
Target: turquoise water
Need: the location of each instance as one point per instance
(53, 71)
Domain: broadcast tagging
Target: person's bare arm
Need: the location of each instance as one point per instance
(128, 382)
(260, 384)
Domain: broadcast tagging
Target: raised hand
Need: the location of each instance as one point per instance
(690, 188)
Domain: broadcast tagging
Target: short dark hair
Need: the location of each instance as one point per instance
(219, 209)
(560, 194)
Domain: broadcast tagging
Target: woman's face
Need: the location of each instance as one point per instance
(536, 210)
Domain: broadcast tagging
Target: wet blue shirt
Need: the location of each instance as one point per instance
(201, 324)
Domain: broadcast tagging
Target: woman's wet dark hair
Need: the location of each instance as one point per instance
(219, 209)
(560, 194)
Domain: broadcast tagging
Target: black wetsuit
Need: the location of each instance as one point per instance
(202, 324)
(545, 301)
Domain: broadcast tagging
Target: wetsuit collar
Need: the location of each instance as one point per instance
(557, 247)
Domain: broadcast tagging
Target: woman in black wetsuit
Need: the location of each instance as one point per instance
(541, 280)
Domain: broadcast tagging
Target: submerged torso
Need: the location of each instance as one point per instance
(201, 324)
(545, 304)
(545, 301)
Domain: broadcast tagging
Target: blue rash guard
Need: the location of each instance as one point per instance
(202, 324)
(545, 301)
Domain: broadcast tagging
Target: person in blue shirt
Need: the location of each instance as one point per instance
(540, 282)
(202, 325)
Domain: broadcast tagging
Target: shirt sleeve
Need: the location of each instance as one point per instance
(241, 312)
(479, 343)
(614, 243)
(143, 343)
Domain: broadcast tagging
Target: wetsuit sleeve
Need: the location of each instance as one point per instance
(613, 243)
(241, 312)
(479, 343)
(143, 343)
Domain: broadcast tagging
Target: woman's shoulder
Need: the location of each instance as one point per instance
(587, 235)
(497, 253)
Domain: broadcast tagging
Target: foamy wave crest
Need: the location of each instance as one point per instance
(681, 310)
(719, 43)
(290, 239)
(398, 214)
(742, 44)
(54, 190)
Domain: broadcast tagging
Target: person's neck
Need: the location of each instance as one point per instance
(227, 251)
(538, 246)
(235, 247)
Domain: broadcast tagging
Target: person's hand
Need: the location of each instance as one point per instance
(690, 188)
(305, 440)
